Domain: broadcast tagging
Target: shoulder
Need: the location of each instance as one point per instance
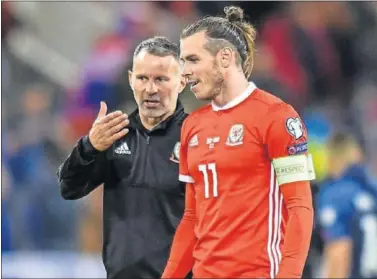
(180, 119)
(272, 108)
(267, 101)
(194, 117)
(200, 111)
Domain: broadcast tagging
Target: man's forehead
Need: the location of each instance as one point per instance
(145, 60)
(192, 44)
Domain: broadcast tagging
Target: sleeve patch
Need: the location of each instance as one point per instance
(297, 148)
(294, 168)
(294, 127)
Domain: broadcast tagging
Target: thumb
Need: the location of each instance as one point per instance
(103, 110)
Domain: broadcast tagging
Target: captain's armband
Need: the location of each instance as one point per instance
(294, 168)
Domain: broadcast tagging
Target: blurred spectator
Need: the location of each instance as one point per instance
(307, 58)
(347, 212)
(264, 74)
(36, 204)
(7, 19)
(6, 181)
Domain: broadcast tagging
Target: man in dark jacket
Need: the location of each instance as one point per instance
(136, 158)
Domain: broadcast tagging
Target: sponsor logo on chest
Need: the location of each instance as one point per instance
(212, 141)
(122, 149)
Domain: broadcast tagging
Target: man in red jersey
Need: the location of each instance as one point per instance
(248, 211)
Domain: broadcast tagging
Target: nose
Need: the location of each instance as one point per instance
(187, 71)
(151, 87)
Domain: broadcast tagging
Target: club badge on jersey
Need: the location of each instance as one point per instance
(235, 136)
(175, 154)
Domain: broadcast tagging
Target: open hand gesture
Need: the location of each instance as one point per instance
(108, 128)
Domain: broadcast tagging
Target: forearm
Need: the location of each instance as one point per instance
(181, 258)
(81, 172)
(298, 230)
(181, 255)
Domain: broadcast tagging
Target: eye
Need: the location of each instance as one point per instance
(142, 78)
(160, 79)
(193, 59)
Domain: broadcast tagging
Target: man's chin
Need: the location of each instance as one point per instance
(152, 112)
(203, 96)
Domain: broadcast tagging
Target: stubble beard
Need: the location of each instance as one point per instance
(218, 83)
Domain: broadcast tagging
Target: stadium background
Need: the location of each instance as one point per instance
(59, 59)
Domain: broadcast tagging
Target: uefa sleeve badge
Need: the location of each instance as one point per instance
(295, 127)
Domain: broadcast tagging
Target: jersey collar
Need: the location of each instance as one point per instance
(239, 99)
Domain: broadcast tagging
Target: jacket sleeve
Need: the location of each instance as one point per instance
(82, 172)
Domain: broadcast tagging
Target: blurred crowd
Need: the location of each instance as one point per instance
(318, 56)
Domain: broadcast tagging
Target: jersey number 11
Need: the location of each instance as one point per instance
(204, 169)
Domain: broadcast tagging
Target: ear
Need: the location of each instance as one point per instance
(182, 84)
(225, 56)
(130, 80)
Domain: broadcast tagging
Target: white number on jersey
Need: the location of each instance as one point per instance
(204, 169)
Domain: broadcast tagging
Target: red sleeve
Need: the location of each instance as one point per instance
(181, 258)
(298, 199)
(284, 132)
(286, 140)
(183, 166)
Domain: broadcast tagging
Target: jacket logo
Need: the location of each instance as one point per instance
(122, 149)
(175, 154)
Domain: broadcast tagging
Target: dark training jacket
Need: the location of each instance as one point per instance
(143, 200)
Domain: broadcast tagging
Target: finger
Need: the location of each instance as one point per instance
(115, 121)
(119, 135)
(102, 111)
(118, 127)
(110, 117)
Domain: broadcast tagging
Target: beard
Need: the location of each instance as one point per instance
(157, 112)
(217, 82)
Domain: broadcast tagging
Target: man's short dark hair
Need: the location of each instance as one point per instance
(159, 46)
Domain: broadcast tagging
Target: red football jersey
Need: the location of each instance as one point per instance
(227, 154)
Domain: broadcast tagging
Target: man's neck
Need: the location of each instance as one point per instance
(232, 88)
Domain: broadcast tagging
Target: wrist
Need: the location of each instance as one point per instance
(88, 150)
